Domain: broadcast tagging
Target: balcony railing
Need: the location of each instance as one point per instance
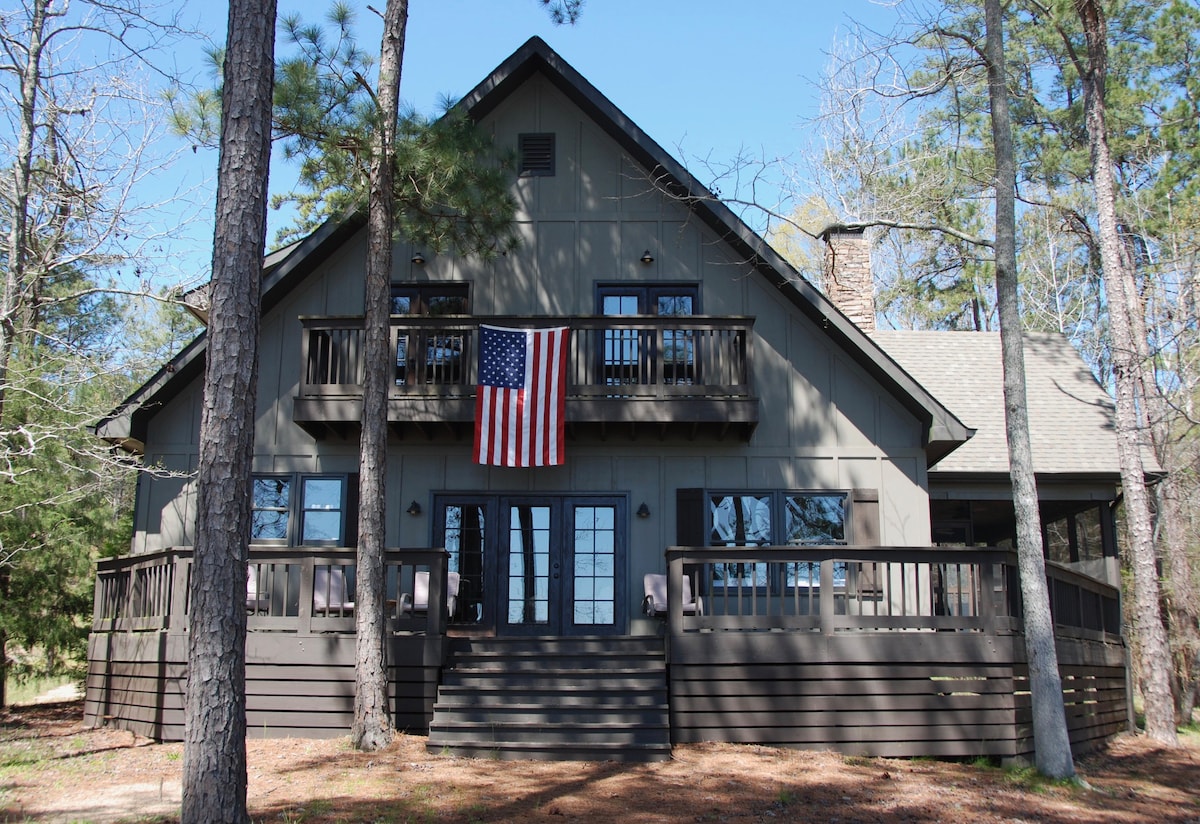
(630, 369)
(838, 589)
(301, 590)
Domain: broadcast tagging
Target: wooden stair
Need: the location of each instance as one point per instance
(554, 699)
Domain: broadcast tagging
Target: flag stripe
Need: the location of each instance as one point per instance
(521, 399)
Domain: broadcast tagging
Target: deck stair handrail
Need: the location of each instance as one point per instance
(643, 356)
(877, 589)
(148, 592)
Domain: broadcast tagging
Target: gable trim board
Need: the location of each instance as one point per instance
(942, 431)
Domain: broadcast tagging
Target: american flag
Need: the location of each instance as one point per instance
(522, 396)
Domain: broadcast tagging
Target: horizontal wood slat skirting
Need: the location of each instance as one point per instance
(137, 682)
(889, 695)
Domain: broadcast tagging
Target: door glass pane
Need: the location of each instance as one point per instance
(594, 543)
(621, 346)
(529, 565)
(464, 539)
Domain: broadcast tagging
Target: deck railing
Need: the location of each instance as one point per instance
(608, 357)
(299, 589)
(838, 589)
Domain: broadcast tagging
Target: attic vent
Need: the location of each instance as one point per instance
(536, 152)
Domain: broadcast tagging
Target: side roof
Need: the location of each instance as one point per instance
(944, 432)
(1071, 417)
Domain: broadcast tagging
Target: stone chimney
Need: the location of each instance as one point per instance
(847, 275)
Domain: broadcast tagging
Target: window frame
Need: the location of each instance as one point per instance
(297, 508)
(776, 580)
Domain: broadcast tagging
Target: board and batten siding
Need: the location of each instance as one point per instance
(824, 423)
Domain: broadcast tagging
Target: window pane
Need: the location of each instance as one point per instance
(675, 305)
(740, 520)
(322, 511)
(323, 527)
(323, 493)
(815, 519)
(271, 498)
(268, 525)
(447, 305)
(271, 493)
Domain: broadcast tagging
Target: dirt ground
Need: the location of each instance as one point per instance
(54, 769)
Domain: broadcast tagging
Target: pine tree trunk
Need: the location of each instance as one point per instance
(1052, 745)
(214, 765)
(372, 727)
(1121, 292)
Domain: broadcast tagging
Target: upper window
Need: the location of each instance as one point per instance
(535, 152)
(633, 356)
(305, 511)
(431, 355)
(430, 299)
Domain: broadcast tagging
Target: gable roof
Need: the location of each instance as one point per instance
(1071, 417)
(943, 431)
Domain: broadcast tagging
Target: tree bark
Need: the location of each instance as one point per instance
(372, 728)
(12, 301)
(1121, 292)
(1052, 745)
(214, 766)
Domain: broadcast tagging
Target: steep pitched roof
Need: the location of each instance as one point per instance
(1070, 415)
(943, 431)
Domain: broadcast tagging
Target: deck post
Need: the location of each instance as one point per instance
(675, 595)
(826, 597)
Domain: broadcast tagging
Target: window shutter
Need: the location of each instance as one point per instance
(350, 527)
(689, 517)
(865, 531)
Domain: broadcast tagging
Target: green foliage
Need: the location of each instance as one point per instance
(451, 185)
(60, 509)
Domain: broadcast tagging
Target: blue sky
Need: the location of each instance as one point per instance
(700, 80)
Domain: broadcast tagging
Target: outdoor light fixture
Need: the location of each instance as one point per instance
(647, 258)
(418, 258)
(414, 509)
(643, 511)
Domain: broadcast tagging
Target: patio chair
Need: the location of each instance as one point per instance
(655, 602)
(418, 600)
(329, 590)
(257, 600)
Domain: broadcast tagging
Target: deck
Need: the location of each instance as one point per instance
(865, 650)
(666, 374)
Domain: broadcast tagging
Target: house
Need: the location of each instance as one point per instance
(725, 423)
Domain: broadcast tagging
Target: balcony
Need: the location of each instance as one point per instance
(680, 376)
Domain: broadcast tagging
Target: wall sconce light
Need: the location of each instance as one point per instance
(646, 257)
(643, 511)
(418, 259)
(414, 509)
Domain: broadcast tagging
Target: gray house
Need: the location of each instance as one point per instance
(835, 577)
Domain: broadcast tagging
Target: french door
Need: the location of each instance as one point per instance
(547, 565)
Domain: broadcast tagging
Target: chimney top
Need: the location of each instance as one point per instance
(847, 274)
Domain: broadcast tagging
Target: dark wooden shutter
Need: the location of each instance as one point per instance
(350, 516)
(865, 531)
(689, 517)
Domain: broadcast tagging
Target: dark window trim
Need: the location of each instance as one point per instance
(777, 509)
(296, 509)
(422, 291)
(646, 292)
